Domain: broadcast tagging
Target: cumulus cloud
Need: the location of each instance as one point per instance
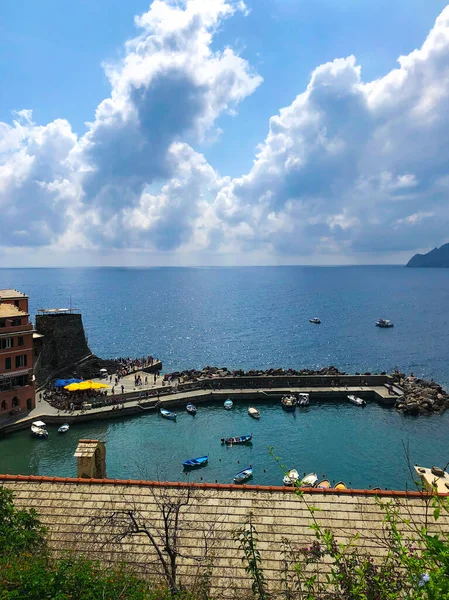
(348, 167)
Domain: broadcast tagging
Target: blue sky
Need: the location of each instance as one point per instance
(52, 62)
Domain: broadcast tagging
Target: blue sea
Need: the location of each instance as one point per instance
(254, 317)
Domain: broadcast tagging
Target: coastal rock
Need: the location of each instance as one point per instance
(438, 257)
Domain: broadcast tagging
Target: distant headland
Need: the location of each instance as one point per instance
(438, 257)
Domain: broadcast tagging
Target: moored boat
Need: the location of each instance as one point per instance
(167, 414)
(324, 483)
(340, 485)
(288, 402)
(356, 400)
(64, 428)
(309, 480)
(195, 462)
(39, 429)
(228, 404)
(243, 475)
(242, 439)
(384, 323)
(315, 320)
(291, 478)
(303, 399)
(191, 409)
(253, 412)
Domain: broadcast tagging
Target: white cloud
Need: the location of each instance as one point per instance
(349, 167)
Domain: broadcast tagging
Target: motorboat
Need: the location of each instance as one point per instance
(39, 429)
(195, 462)
(340, 485)
(356, 400)
(242, 439)
(303, 399)
(228, 404)
(384, 323)
(64, 428)
(309, 480)
(191, 409)
(288, 402)
(315, 320)
(253, 412)
(243, 475)
(291, 478)
(324, 483)
(167, 414)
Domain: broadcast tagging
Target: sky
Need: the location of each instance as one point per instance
(217, 132)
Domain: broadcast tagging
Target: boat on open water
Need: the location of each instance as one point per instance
(384, 323)
(288, 402)
(315, 320)
(242, 439)
(167, 414)
(228, 404)
(64, 428)
(195, 462)
(253, 412)
(39, 429)
(243, 475)
(356, 400)
(191, 409)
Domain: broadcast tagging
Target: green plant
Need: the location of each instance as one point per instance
(247, 538)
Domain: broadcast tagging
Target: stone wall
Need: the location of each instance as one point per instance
(64, 343)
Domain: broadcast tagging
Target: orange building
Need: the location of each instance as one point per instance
(17, 392)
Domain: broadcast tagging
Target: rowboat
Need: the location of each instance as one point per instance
(39, 429)
(195, 462)
(309, 480)
(242, 439)
(303, 399)
(191, 409)
(340, 486)
(324, 483)
(64, 428)
(243, 475)
(168, 414)
(288, 402)
(291, 478)
(228, 404)
(356, 400)
(253, 412)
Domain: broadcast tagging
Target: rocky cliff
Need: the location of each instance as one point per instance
(438, 257)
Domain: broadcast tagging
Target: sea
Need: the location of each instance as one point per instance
(253, 317)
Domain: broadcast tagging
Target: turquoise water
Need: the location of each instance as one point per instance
(244, 318)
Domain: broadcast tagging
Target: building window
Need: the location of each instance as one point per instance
(17, 303)
(20, 340)
(8, 363)
(4, 405)
(15, 402)
(29, 404)
(6, 343)
(21, 360)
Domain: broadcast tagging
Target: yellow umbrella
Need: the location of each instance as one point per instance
(85, 385)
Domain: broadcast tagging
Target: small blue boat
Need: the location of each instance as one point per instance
(167, 414)
(191, 409)
(243, 475)
(228, 404)
(242, 439)
(195, 462)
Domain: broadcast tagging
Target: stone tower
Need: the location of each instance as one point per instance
(91, 455)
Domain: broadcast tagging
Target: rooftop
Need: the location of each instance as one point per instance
(9, 310)
(11, 295)
(71, 507)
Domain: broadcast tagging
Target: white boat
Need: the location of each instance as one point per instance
(228, 404)
(303, 399)
(64, 428)
(356, 400)
(291, 478)
(315, 320)
(167, 414)
(384, 323)
(309, 480)
(253, 412)
(288, 402)
(39, 429)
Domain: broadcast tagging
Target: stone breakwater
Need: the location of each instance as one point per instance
(420, 397)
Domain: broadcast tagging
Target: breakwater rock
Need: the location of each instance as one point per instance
(420, 396)
(209, 372)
